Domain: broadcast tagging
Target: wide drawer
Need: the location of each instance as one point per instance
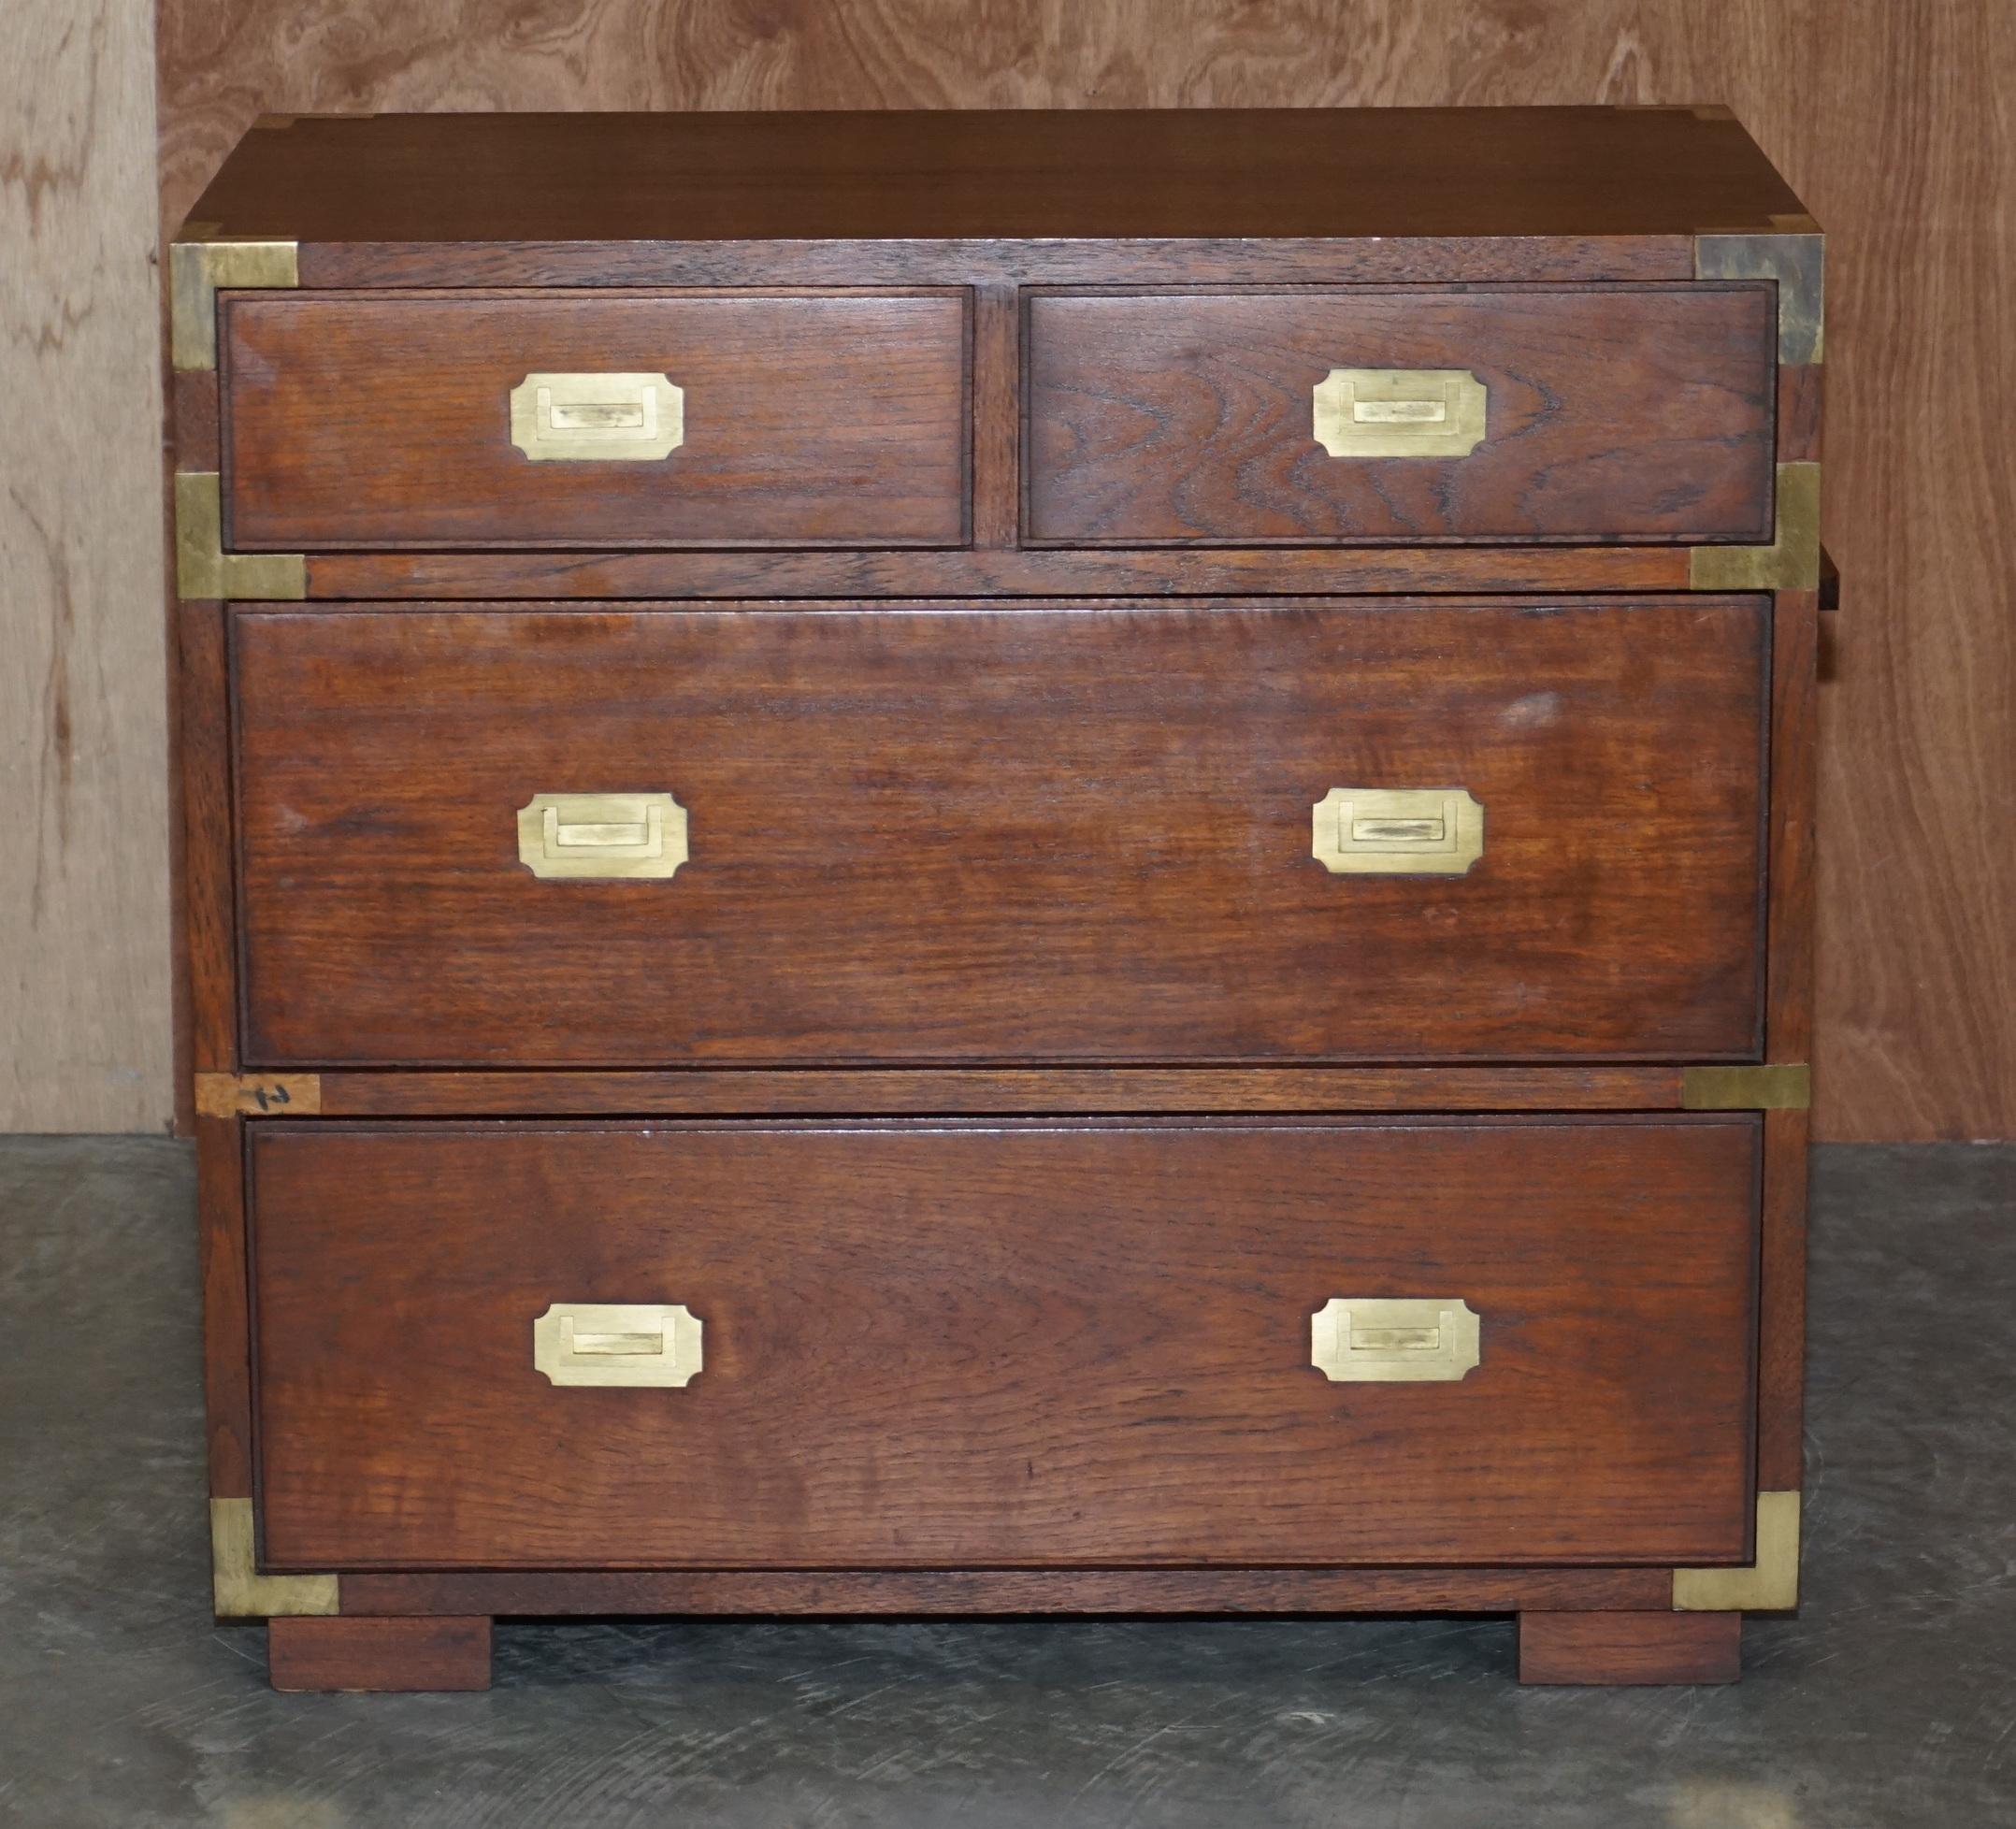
(927, 1344)
(1088, 833)
(1402, 414)
(472, 419)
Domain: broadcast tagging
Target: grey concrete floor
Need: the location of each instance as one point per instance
(1890, 1701)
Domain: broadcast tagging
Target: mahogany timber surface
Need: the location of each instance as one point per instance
(220, 1245)
(1238, 173)
(877, 1091)
(1081, 571)
(1627, 412)
(1002, 1346)
(384, 420)
(378, 1654)
(1010, 1591)
(1002, 835)
(1630, 1648)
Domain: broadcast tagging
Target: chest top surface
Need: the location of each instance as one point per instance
(1021, 175)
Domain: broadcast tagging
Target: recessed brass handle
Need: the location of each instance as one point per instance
(1406, 832)
(1377, 1340)
(602, 835)
(598, 419)
(1400, 412)
(600, 1343)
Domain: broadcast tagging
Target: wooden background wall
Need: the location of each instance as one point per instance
(84, 1037)
(1891, 117)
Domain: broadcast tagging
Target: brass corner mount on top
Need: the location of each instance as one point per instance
(204, 261)
(1793, 256)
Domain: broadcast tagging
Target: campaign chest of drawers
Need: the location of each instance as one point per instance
(997, 863)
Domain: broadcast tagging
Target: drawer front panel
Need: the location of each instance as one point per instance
(942, 1345)
(374, 420)
(1617, 413)
(1079, 834)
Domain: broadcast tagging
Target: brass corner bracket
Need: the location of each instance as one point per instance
(1768, 1585)
(258, 1095)
(202, 264)
(239, 1591)
(204, 570)
(1781, 1086)
(1789, 563)
(1795, 257)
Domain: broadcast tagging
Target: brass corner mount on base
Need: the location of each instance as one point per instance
(239, 1591)
(204, 570)
(202, 263)
(1789, 563)
(1768, 1585)
(1780, 1086)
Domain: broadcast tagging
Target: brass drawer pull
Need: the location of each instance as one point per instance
(1372, 1340)
(602, 835)
(598, 1342)
(1400, 412)
(598, 419)
(1409, 831)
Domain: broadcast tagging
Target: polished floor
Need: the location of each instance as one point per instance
(1889, 1702)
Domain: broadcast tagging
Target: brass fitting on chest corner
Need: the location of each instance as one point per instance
(1789, 563)
(1768, 1585)
(1780, 1086)
(239, 1591)
(205, 571)
(201, 263)
(1794, 258)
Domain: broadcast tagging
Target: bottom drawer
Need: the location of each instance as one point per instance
(937, 1344)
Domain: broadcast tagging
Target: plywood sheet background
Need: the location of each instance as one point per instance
(1889, 116)
(84, 1032)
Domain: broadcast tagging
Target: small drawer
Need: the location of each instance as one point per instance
(1402, 415)
(945, 1344)
(1342, 830)
(527, 419)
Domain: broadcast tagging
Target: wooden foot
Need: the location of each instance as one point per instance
(1630, 1648)
(368, 1653)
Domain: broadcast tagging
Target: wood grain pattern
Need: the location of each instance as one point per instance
(1623, 413)
(1076, 834)
(1074, 174)
(1001, 1344)
(380, 1655)
(1146, 571)
(813, 419)
(85, 986)
(702, 1591)
(1781, 1305)
(209, 927)
(227, 1401)
(1630, 1648)
(1898, 132)
(1887, 117)
(863, 1092)
(1312, 260)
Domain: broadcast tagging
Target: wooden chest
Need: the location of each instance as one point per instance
(987, 863)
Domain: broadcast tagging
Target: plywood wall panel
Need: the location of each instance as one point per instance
(1890, 118)
(84, 980)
